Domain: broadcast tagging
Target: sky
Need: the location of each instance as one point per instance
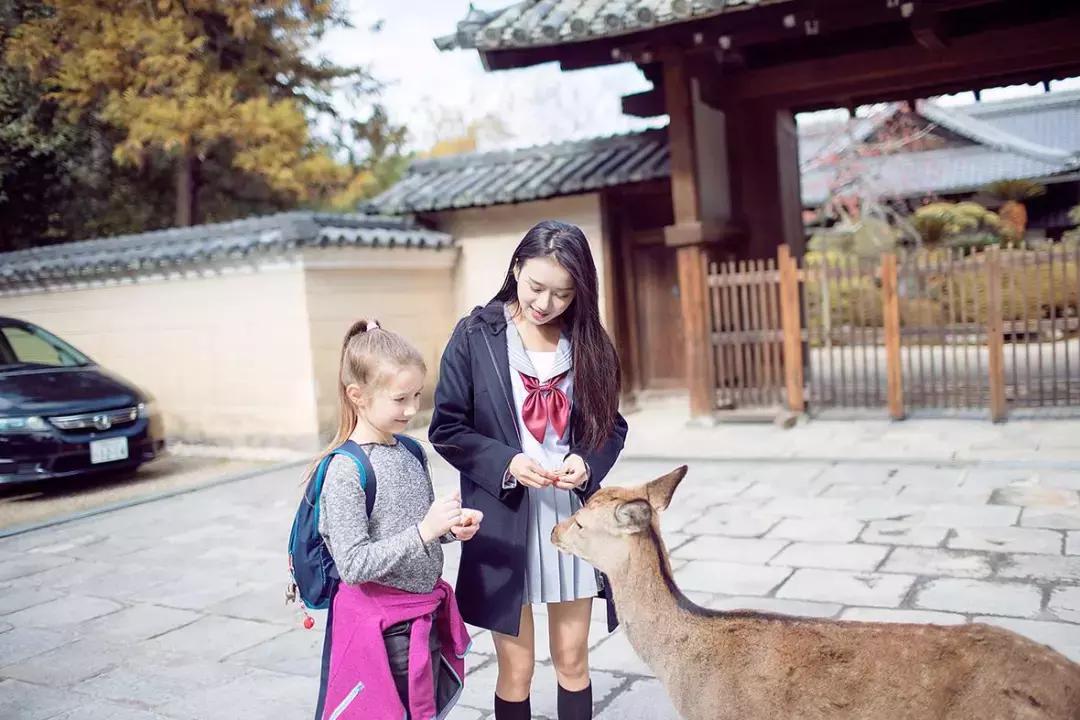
(436, 94)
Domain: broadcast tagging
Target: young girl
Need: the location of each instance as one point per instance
(388, 552)
(527, 410)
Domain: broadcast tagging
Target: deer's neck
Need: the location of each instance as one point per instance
(655, 615)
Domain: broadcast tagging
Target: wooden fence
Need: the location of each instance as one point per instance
(926, 329)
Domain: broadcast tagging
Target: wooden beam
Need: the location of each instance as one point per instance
(792, 327)
(644, 104)
(678, 100)
(1038, 49)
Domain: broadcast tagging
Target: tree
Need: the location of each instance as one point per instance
(192, 81)
(1012, 194)
(964, 225)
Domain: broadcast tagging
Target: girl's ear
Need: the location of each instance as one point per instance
(517, 272)
(355, 393)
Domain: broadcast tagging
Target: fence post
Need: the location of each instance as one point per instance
(789, 320)
(995, 336)
(890, 303)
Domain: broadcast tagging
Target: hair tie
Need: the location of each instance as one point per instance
(373, 325)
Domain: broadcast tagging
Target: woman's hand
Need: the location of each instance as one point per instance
(443, 514)
(573, 474)
(470, 525)
(528, 472)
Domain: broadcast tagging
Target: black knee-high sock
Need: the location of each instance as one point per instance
(506, 710)
(575, 704)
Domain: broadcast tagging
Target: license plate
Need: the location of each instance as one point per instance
(111, 450)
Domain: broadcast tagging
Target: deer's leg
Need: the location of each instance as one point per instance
(568, 631)
(516, 658)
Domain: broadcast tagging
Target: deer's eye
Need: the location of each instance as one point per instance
(580, 526)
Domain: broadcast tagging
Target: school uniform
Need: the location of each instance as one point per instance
(494, 400)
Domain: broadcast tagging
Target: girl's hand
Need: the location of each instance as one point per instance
(470, 525)
(529, 473)
(573, 474)
(443, 514)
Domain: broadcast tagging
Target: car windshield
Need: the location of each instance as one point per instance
(27, 345)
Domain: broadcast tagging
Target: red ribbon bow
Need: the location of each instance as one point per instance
(544, 403)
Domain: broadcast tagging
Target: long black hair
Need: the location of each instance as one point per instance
(597, 377)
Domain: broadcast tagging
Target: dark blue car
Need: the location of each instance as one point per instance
(62, 415)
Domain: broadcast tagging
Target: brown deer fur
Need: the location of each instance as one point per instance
(759, 666)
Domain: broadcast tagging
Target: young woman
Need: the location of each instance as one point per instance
(526, 409)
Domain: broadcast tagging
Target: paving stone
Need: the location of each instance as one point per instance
(1065, 603)
(935, 496)
(66, 665)
(102, 710)
(729, 578)
(1041, 568)
(1051, 518)
(923, 617)
(928, 477)
(1063, 637)
(808, 508)
(796, 608)
(903, 533)
(835, 556)
(23, 701)
(1008, 540)
(1038, 496)
(858, 474)
(859, 492)
(995, 478)
(63, 611)
(1072, 543)
(732, 521)
(743, 550)
(847, 588)
(980, 596)
(24, 566)
(460, 712)
(644, 700)
(158, 683)
(138, 622)
(214, 637)
(297, 652)
(819, 530)
(1063, 480)
(969, 516)
(617, 655)
(20, 643)
(13, 599)
(265, 695)
(263, 603)
(936, 561)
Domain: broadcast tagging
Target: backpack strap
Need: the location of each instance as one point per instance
(414, 447)
(368, 483)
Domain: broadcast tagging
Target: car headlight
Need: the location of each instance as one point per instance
(146, 409)
(29, 424)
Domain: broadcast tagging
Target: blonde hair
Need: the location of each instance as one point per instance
(368, 352)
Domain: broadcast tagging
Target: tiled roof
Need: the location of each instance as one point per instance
(495, 178)
(1036, 150)
(535, 23)
(184, 248)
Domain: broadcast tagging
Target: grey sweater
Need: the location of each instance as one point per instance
(385, 548)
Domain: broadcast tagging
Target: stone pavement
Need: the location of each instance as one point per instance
(173, 609)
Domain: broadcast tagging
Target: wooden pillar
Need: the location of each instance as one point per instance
(995, 337)
(765, 179)
(890, 301)
(696, 223)
(791, 322)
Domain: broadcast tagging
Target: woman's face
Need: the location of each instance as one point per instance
(544, 289)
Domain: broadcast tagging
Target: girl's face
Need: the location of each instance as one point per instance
(390, 405)
(544, 289)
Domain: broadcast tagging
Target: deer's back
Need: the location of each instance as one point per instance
(801, 669)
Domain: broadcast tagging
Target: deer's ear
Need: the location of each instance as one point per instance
(633, 516)
(660, 490)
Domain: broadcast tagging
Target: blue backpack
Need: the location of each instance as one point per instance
(312, 568)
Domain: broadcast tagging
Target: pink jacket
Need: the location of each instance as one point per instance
(359, 684)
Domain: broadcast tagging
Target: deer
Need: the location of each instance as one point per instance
(748, 665)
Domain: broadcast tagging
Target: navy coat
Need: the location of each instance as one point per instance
(474, 428)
